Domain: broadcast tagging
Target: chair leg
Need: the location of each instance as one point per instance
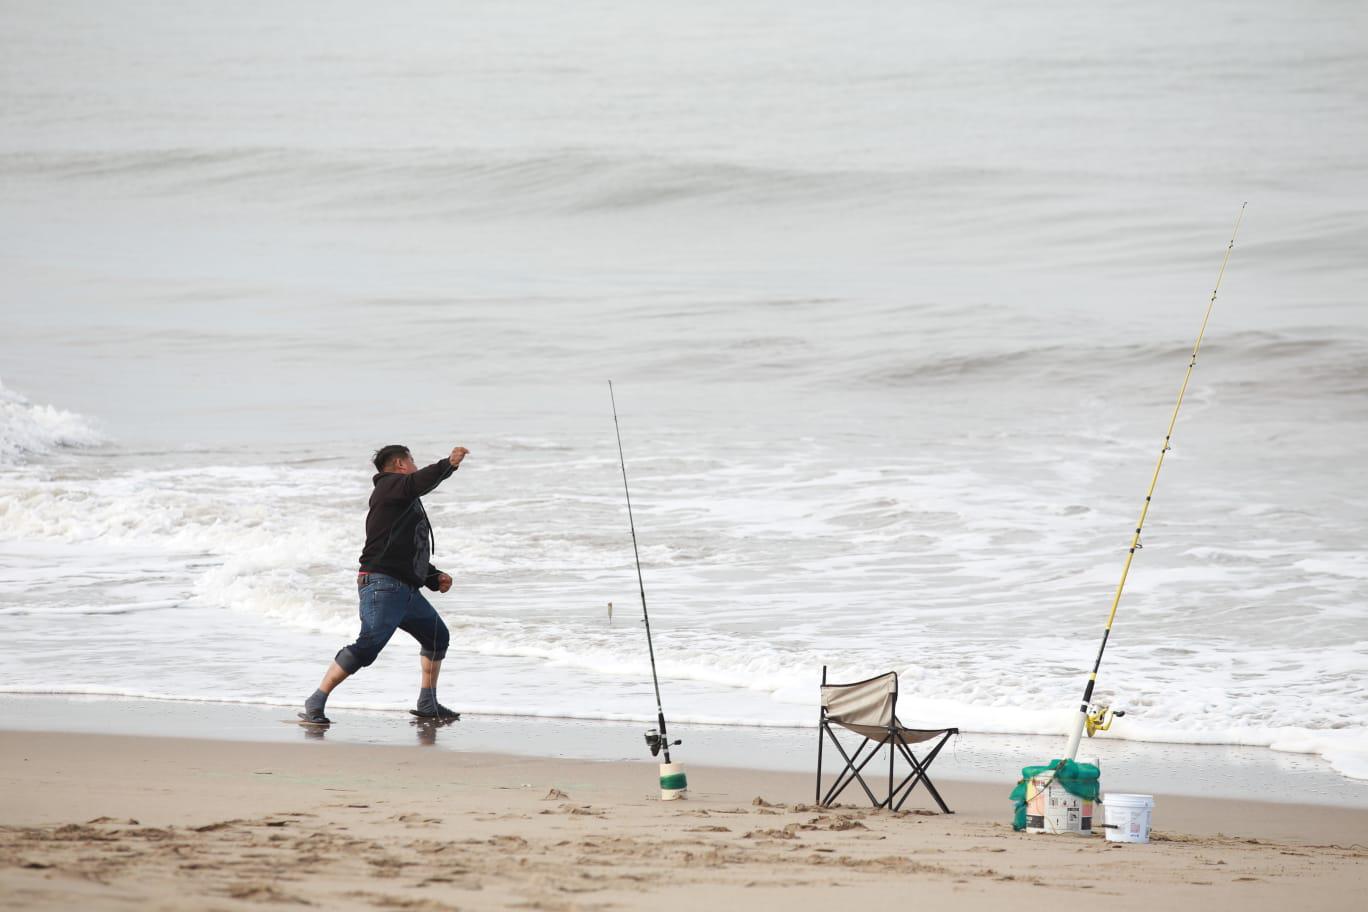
(847, 775)
(921, 776)
(842, 780)
(931, 787)
(892, 754)
(919, 773)
(912, 777)
(821, 724)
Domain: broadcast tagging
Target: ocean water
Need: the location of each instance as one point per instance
(896, 300)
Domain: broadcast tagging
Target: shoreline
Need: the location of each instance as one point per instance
(106, 821)
(1219, 771)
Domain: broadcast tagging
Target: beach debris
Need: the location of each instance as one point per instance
(583, 810)
(262, 892)
(846, 823)
(556, 795)
(508, 841)
(387, 866)
(761, 802)
(788, 832)
(416, 820)
(220, 825)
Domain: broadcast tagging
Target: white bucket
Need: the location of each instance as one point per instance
(1051, 809)
(1128, 817)
(673, 783)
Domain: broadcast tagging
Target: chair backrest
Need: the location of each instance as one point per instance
(871, 702)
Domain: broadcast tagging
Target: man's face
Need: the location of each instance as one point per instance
(404, 465)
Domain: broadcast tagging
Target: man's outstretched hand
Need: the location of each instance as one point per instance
(443, 582)
(457, 454)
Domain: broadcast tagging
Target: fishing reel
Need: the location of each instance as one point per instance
(1100, 717)
(655, 742)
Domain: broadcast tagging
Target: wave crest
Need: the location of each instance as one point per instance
(445, 181)
(28, 429)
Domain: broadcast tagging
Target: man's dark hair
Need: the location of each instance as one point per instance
(385, 454)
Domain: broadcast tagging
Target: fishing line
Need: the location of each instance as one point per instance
(1098, 718)
(660, 739)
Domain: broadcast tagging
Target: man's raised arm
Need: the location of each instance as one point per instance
(428, 477)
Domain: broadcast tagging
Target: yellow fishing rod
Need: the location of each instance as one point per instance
(1099, 718)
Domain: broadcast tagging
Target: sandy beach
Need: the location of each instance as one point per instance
(791, 344)
(122, 822)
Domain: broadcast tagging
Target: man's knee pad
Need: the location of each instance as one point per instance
(350, 662)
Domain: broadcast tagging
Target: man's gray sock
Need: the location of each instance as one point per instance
(316, 703)
(427, 700)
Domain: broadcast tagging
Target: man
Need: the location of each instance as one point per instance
(394, 564)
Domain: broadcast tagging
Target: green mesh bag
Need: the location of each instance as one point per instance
(1079, 779)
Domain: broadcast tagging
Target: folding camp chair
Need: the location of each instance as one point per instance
(870, 709)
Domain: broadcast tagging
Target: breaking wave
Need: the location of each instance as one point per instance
(28, 429)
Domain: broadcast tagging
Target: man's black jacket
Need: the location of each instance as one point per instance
(399, 537)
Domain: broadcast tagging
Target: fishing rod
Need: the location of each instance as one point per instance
(1099, 718)
(656, 739)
